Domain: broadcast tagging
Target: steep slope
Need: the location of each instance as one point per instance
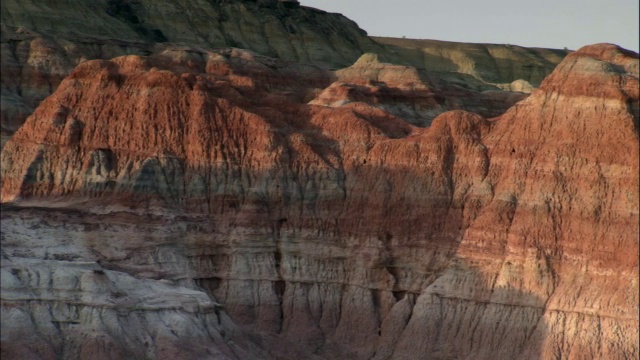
(325, 231)
(41, 42)
(561, 225)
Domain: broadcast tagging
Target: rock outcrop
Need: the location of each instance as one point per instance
(415, 95)
(492, 63)
(201, 192)
(42, 42)
(271, 28)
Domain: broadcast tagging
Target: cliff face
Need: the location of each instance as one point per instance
(42, 42)
(263, 208)
(563, 214)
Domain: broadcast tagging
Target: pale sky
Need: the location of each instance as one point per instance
(535, 23)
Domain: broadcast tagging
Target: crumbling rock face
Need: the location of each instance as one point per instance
(33, 65)
(42, 42)
(81, 310)
(322, 231)
(564, 209)
(415, 95)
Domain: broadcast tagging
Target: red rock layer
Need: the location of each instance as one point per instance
(346, 230)
(42, 42)
(416, 96)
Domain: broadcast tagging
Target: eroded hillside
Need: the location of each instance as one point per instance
(42, 42)
(243, 206)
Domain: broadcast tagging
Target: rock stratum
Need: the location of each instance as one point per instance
(42, 42)
(178, 198)
(199, 204)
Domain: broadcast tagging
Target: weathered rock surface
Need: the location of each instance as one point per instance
(415, 95)
(33, 65)
(42, 42)
(563, 212)
(323, 231)
(492, 63)
(270, 28)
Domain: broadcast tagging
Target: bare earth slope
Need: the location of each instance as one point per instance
(494, 63)
(204, 195)
(42, 42)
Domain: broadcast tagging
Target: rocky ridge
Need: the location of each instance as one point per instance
(414, 94)
(304, 217)
(510, 66)
(42, 42)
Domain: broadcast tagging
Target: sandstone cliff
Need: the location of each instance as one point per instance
(337, 230)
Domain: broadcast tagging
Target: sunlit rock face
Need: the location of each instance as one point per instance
(499, 64)
(199, 204)
(43, 41)
(414, 94)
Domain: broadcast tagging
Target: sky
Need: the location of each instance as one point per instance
(532, 23)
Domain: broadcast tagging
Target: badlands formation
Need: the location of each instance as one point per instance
(43, 41)
(261, 180)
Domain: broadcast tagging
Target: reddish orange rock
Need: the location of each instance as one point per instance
(329, 231)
